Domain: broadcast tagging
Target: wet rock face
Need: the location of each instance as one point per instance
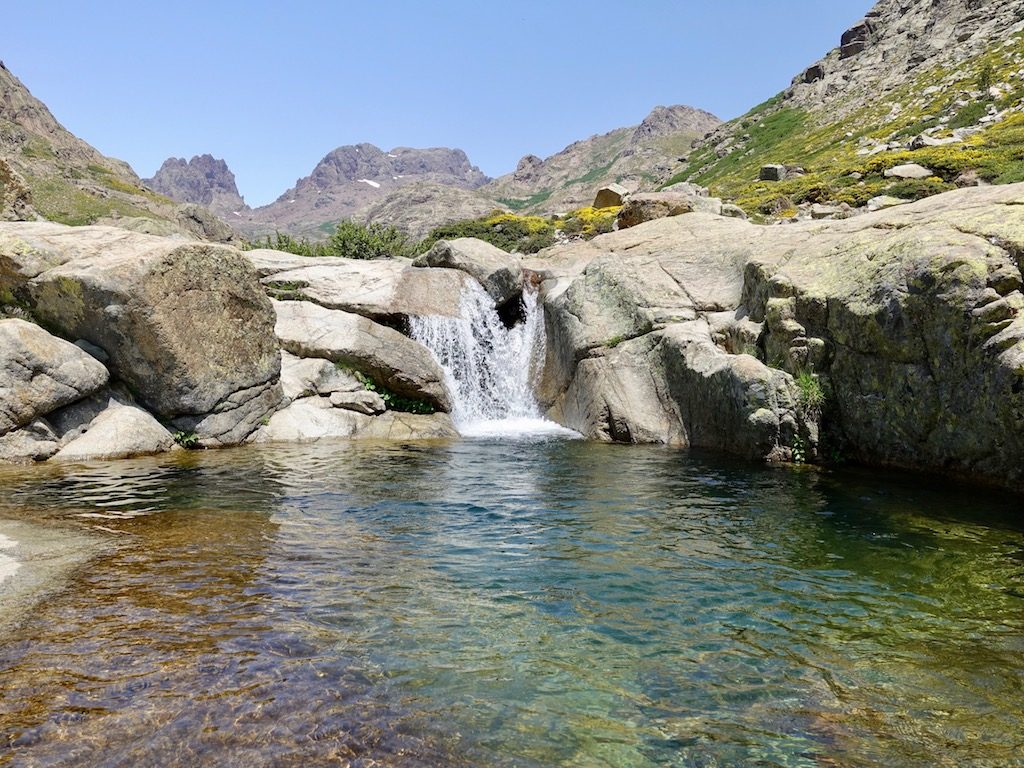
(500, 273)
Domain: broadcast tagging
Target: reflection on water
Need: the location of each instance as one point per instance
(536, 603)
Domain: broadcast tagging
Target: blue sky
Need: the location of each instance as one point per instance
(272, 87)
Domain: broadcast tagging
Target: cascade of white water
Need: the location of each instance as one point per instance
(491, 371)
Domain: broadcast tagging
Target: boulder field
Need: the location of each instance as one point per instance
(894, 338)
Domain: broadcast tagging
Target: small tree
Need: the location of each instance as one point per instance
(986, 76)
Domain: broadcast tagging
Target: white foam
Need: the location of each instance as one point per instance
(8, 565)
(517, 427)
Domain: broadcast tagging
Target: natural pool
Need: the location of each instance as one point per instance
(487, 602)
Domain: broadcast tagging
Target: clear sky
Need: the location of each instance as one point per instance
(272, 87)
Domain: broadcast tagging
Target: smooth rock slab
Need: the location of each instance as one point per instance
(381, 289)
(383, 354)
(40, 373)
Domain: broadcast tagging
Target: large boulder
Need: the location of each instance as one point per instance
(498, 272)
(647, 206)
(389, 358)
(185, 325)
(610, 196)
(919, 323)
(896, 336)
(40, 373)
(120, 430)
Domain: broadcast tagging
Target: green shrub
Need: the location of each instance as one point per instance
(350, 240)
(512, 233)
(986, 76)
(918, 189)
(289, 244)
(371, 241)
(969, 115)
(187, 440)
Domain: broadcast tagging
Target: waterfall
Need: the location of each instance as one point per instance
(490, 370)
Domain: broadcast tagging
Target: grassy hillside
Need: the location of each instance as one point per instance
(842, 157)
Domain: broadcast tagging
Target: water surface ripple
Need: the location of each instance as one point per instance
(543, 602)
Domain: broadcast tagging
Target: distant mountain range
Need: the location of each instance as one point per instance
(417, 189)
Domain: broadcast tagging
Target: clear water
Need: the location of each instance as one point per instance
(542, 602)
(491, 371)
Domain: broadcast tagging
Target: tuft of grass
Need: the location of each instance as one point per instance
(811, 395)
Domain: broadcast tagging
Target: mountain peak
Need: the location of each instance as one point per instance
(679, 118)
(204, 180)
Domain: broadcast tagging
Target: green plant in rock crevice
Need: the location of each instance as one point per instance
(811, 396)
(392, 401)
(187, 440)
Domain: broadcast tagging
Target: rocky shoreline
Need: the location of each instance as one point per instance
(892, 339)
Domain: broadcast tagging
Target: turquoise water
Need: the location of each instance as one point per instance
(541, 602)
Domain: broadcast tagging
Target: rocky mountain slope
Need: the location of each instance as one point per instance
(353, 177)
(419, 207)
(638, 157)
(202, 180)
(937, 84)
(45, 169)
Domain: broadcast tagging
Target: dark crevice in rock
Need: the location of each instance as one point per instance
(513, 311)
